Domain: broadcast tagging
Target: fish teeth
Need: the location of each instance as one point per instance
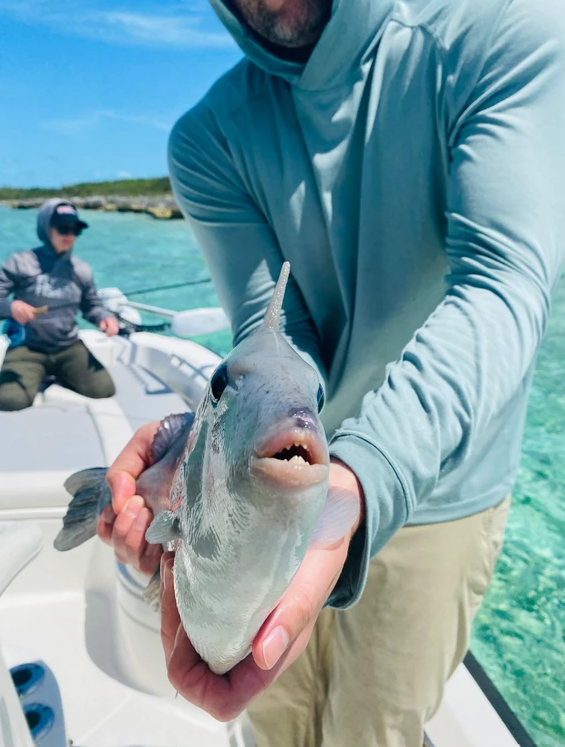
(297, 458)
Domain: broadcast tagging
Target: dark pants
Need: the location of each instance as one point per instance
(24, 369)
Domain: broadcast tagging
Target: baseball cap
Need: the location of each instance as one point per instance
(65, 217)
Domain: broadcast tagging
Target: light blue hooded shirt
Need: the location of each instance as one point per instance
(413, 173)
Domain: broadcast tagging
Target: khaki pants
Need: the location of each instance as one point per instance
(24, 369)
(373, 675)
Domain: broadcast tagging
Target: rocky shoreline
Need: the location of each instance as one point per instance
(161, 207)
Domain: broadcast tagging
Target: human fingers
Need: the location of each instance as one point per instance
(170, 618)
(112, 327)
(126, 534)
(106, 524)
(291, 622)
(130, 463)
(127, 537)
(123, 525)
(22, 312)
(123, 489)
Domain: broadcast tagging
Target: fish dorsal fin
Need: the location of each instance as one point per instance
(168, 429)
(273, 316)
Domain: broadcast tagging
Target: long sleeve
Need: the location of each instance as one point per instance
(6, 287)
(90, 303)
(239, 246)
(504, 243)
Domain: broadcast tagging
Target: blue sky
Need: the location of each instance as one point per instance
(89, 89)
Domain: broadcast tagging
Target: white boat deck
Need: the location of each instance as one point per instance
(103, 706)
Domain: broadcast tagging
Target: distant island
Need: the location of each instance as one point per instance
(151, 196)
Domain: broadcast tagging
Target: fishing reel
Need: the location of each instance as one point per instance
(129, 319)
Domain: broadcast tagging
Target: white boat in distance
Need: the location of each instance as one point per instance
(81, 660)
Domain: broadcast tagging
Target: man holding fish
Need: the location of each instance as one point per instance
(407, 159)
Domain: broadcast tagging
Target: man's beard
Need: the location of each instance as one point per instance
(302, 30)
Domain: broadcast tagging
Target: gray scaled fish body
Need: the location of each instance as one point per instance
(240, 488)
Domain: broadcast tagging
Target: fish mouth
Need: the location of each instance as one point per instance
(296, 457)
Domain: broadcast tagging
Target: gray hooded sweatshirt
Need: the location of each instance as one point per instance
(63, 282)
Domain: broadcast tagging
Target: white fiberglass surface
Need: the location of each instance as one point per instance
(105, 665)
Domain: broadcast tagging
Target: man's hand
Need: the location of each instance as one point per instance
(282, 638)
(22, 312)
(109, 326)
(124, 523)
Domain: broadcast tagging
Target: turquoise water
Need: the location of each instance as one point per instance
(519, 633)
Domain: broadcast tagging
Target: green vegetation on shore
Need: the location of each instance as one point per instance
(124, 187)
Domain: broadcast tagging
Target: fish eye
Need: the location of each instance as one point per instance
(320, 398)
(219, 381)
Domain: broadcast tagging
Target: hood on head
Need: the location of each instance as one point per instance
(44, 216)
(353, 28)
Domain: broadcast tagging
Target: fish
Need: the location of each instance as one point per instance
(239, 490)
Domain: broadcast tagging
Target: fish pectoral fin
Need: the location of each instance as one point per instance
(152, 593)
(164, 528)
(338, 515)
(167, 431)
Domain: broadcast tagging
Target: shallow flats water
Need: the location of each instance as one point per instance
(519, 633)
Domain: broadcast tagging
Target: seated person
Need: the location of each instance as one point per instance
(49, 285)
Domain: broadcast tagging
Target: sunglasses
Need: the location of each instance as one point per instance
(68, 230)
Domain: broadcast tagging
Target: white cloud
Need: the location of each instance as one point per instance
(91, 120)
(123, 175)
(185, 25)
(177, 31)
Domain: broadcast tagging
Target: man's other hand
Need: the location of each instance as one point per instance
(109, 326)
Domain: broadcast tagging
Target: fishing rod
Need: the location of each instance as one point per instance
(125, 325)
(140, 291)
(174, 286)
(182, 323)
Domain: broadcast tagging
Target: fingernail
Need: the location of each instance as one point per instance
(275, 645)
(166, 569)
(141, 520)
(178, 638)
(133, 505)
(108, 515)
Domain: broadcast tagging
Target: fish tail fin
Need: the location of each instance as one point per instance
(91, 493)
